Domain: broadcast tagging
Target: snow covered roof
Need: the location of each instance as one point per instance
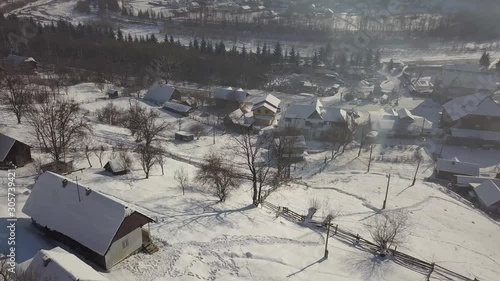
(160, 93)
(86, 216)
(176, 107)
(270, 100)
(184, 134)
(230, 94)
(488, 192)
(468, 76)
(306, 111)
(405, 113)
(468, 180)
(16, 61)
(62, 266)
(116, 166)
(457, 167)
(6, 143)
(241, 118)
(476, 104)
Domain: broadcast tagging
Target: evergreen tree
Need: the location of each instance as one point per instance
(139, 14)
(234, 51)
(485, 60)
(369, 57)
(244, 51)
(119, 35)
(210, 47)
(172, 40)
(278, 52)
(258, 51)
(376, 58)
(113, 6)
(315, 60)
(129, 38)
(291, 57)
(285, 57)
(195, 44)
(297, 59)
(203, 45)
(264, 50)
(190, 45)
(124, 12)
(390, 66)
(153, 38)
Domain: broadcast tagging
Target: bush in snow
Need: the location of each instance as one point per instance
(217, 175)
(388, 230)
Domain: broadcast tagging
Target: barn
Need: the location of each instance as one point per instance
(97, 227)
(161, 93)
(14, 151)
(448, 169)
(58, 264)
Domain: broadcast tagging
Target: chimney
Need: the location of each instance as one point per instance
(46, 260)
(88, 191)
(64, 183)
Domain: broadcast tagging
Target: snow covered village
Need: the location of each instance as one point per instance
(249, 140)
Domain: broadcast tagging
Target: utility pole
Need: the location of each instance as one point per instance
(387, 190)
(326, 244)
(214, 130)
(370, 160)
(78, 190)
(361, 142)
(415, 177)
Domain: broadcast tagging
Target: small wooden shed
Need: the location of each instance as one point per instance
(184, 136)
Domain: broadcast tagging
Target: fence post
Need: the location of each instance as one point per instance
(326, 244)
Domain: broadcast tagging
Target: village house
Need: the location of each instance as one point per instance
(19, 63)
(239, 121)
(314, 120)
(14, 151)
(58, 264)
(112, 94)
(177, 108)
(472, 119)
(448, 169)
(229, 98)
(265, 110)
(488, 195)
(401, 123)
(184, 136)
(162, 93)
(100, 228)
(457, 80)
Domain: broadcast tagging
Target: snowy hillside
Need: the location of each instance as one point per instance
(200, 239)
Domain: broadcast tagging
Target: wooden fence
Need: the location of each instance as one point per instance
(405, 260)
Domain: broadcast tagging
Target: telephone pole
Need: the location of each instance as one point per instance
(370, 160)
(387, 190)
(415, 177)
(361, 142)
(326, 244)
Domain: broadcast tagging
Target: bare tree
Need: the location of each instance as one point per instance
(161, 160)
(283, 155)
(125, 159)
(87, 152)
(17, 93)
(59, 126)
(99, 152)
(197, 130)
(346, 135)
(248, 147)
(218, 175)
(109, 114)
(182, 177)
(388, 230)
(147, 157)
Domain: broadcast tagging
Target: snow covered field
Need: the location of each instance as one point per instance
(200, 239)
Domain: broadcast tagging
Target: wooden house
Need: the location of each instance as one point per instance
(448, 169)
(112, 94)
(162, 93)
(14, 151)
(98, 227)
(265, 110)
(184, 136)
(177, 108)
(229, 97)
(19, 63)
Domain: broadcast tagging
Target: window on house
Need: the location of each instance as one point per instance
(125, 243)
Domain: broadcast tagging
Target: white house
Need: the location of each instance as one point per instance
(488, 195)
(314, 120)
(450, 168)
(265, 110)
(100, 228)
(161, 93)
(58, 264)
(229, 97)
(400, 123)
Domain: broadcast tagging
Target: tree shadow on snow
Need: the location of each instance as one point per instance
(371, 267)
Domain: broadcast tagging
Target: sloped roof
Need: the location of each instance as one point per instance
(241, 118)
(457, 167)
(270, 100)
(6, 144)
(91, 219)
(230, 94)
(405, 113)
(160, 93)
(488, 192)
(63, 266)
(468, 76)
(467, 180)
(176, 107)
(333, 114)
(475, 134)
(476, 104)
(116, 166)
(305, 111)
(16, 61)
